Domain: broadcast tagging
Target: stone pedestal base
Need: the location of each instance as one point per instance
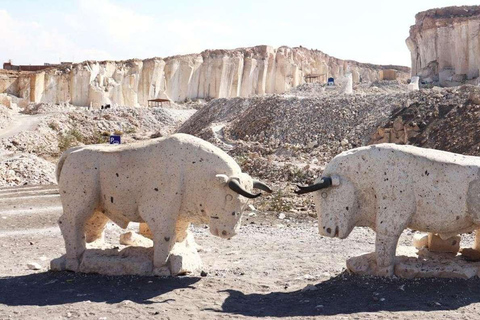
(424, 265)
(138, 260)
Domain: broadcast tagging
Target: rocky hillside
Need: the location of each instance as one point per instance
(290, 137)
(445, 119)
(241, 72)
(28, 156)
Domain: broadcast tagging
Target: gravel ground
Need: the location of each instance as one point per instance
(277, 267)
(273, 268)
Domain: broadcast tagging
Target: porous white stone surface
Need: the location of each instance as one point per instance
(390, 187)
(166, 183)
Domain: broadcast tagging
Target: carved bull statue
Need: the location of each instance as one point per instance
(389, 187)
(167, 183)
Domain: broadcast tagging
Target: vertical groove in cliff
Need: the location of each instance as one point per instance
(241, 72)
(445, 46)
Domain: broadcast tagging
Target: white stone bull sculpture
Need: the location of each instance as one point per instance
(390, 187)
(167, 183)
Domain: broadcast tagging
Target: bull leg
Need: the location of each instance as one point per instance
(94, 226)
(385, 249)
(162, 223)
(164, 237)
(72, 225)
(396, 207)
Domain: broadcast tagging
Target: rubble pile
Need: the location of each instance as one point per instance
(319, 90)
(65, 126)
(23, 169)
(290, 137)
(57, 127)
(216, 112)
(43, 142)
(43, 108)
(5, 116)
(445, 119)
(313, 122)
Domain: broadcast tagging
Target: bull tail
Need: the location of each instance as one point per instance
(61, 161)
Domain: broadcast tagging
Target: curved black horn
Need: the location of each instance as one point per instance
(324, 183)
(235, 186)
(262, 186)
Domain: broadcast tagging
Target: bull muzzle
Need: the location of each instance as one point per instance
(324, 183)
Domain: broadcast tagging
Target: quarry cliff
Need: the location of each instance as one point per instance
(445, 45)
(242, 72)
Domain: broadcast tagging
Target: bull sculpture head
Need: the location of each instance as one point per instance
(336, 205)
(231, 198)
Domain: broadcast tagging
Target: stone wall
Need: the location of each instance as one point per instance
(241, 72)
(445, 45)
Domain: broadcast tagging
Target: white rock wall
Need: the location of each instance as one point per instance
(446, 39)
(211, 74)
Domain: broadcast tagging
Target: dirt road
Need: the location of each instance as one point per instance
(259, 273)
(21, 122)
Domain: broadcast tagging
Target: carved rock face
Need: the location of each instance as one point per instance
(444, 45)
(241, 72)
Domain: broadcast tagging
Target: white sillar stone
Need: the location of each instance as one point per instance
(380, 185)
(348, 86)
(241, 72)
(413, 85)
(34, 266)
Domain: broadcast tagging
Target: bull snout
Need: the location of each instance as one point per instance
(223, 233)
(329, 230)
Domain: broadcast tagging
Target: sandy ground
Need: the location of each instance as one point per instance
(259, 273)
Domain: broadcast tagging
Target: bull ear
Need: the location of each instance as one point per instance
(222, 178)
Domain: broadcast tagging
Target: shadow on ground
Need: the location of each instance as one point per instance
(347, 294)
(53, 288)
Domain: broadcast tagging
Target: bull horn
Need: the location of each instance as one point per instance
(262, 186)
(324, 183)
(235, 186)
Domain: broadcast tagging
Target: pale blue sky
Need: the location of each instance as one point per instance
(373, 31)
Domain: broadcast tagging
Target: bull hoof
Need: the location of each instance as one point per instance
(385, 271)
(59, 264)
(162, 272)
(72, 265)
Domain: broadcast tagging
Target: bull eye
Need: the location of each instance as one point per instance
(324, 195)
(228, 197)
